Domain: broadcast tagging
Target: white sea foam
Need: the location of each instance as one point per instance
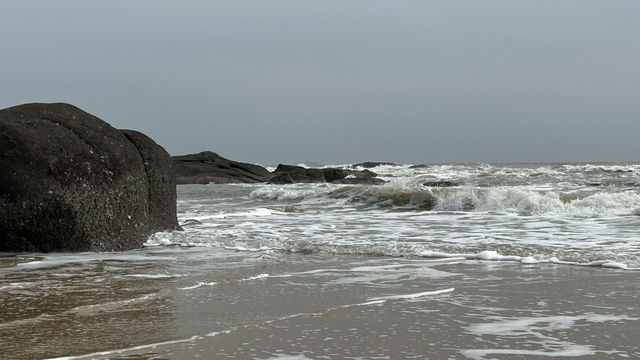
(532, 325)
(289, 357)
(152, 276)
(568, 350)
(243, 248)
(110, 306)
(527, 213)
(130, 349)
(383, 299)
(257, 277)
(529, 260)
(522, 200)
(200, 284)
(538, 331)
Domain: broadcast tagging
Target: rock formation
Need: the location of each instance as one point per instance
(71, 182)
(287, 174)
(441, 183)
(209, 167)
(372, 164)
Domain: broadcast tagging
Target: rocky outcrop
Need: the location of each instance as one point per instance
(289, 174)
(300, 174)
(441, 183)
(71, 182)
(209, 167)
(372, 164)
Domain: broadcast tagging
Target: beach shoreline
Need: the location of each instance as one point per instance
(294, 306)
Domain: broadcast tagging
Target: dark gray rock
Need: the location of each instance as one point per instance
(71, 182)
(371, 164)
(419, 166)
(359, 181)
(441, 183)
(209, 167)
(289, 174)
(161, 179)
(332, 174)
(282, 178)
(300, 174)
(364, 174)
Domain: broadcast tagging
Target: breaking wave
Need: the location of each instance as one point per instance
(518, 200)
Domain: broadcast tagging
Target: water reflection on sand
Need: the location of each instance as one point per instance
(184, 303)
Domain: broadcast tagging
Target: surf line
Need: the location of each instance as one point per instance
(373, 301)
(133, 348)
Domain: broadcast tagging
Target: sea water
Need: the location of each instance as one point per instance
(580, 214)
(512, 261)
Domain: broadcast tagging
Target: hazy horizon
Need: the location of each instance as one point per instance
(341, 81)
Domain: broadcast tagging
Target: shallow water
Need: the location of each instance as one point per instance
(516, 262)
(184, 303)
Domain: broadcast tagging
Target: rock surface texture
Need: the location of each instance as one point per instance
(209, 167)
(71, 182)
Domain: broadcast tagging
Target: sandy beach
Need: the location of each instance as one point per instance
(295, 306)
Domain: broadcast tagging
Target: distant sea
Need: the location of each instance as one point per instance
(450, 261)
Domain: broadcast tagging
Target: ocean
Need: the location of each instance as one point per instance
(450, 261)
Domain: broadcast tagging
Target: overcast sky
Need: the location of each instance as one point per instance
(340, 81)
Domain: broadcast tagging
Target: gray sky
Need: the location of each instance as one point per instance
(340, 81)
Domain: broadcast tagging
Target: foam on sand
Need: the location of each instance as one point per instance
(535, 330)
(383, 299)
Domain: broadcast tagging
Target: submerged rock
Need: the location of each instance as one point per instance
(209, 167)
(71, 182)
(441, 183)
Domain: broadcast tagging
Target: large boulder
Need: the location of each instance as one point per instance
(71, 182)
(209, 167)
(161, 180)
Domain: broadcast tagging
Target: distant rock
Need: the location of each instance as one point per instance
(71, 182)
(209, 167)
(289, 174)
(300, 174)
(332, 174)
(419, 166)
(371, 164)
(441, 183)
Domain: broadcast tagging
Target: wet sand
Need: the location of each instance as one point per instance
(190, 303)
